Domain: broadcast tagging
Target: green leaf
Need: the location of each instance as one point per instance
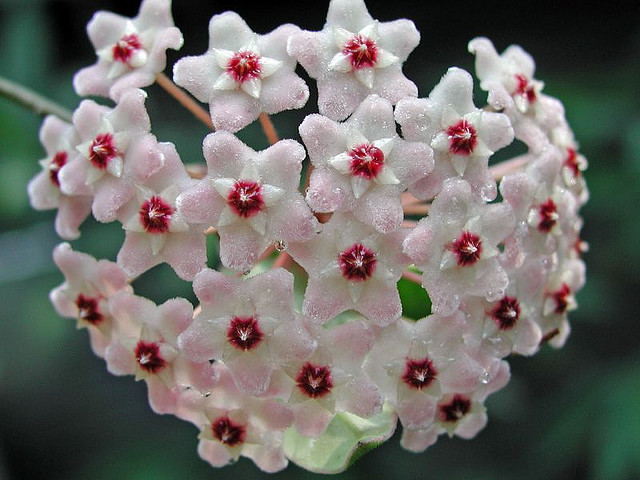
(346, 439)
(416, 303)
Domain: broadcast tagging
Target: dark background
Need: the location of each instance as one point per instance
(566, 414)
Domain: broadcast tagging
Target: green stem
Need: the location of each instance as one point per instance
(29, 99)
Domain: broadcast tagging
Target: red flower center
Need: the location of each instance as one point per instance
(468, 248)
(524, 89)
(89, 310)
(357, 263)
(148, 357)
(124, 49)
(572, 162)
(155, 215)
(562, 298)
(548, 216)
(366, 161)
(419, 374)
(362, 52)
(228, 432)
(462, 138)
(244, 66)
(506, 313)
(102, 151)
(244, 333)
(245, 199)
(455, 409)
(314, 381)
(58, 161)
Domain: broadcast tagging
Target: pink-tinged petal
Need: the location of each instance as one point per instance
(110, 195)
(240, 246)
(339, 95)
(348, 14)
(201, 341)
(135, 256)
(143, 159)
(212, 287)
(418, 441)
(162, 399)
(381, 303)
(233, 111)
(186, 253)
(496, 130)
(120, 360)
(382, 209)
(419, 243)
(51, 132)
(327, 191)
(226, 154)
(43, 194)
(282, 164)
(201, 204)
(214, 453)
(311, 418)
(250, 373)
(323, 138)
(416, 409)
(400, 37)
(350, 344)
(130, 81)
(93, 80)
(390, 83)
(324, 299)
(130, 113)
(87, 116)
(194, 74)
(276, 99)
(73, 177)
(72, 212)
(175, 315)
(269, 457)
(272, 292)
(292, 220)
(361, 397)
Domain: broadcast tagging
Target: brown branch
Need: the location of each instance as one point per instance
(185, 100)
(269, 129)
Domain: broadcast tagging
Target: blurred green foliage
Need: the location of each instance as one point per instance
(567, 414)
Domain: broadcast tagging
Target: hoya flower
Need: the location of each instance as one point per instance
(544, 209)
(511, 323)
(462, 136)
(116, 153)
(251, 197)
(355, 56)
(559, 299)
(233, 424)
(351, 266)
(59, 140)
(509, 79)
(415, 362)
(242, 74)
(362, 165)
(332, 380)
(156, 229)
(574, 163)
(456, 247)
(84, 295)
(248, 324)
(131, 51)
(150, 352)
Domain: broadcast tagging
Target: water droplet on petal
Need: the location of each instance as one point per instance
(484, 377)
(280, 245)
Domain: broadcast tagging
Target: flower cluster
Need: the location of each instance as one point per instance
(496, 246)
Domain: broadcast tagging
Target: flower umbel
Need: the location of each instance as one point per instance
(299, 346)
